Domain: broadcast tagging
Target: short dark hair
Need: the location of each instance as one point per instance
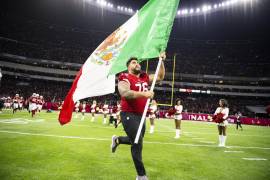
(130, 59)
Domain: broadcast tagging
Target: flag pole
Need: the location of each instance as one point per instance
(147, 102)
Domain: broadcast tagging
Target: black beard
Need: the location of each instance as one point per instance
(136, 72)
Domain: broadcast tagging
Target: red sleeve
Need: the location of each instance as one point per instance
(123, 77)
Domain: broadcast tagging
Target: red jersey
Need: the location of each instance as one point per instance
(33, 99)
(16, 99)
(136, 84)
(115, 109)
(40, 101)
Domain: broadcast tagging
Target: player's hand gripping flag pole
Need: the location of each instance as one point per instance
(144, 36)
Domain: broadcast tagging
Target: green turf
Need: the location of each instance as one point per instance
(81, 150)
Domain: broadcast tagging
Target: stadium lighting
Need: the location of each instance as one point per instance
(205, 8)
(180, 13)
(213, 7)
(185, 11)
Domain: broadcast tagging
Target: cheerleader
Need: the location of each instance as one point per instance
(118, 114)
(77, 108)
(15, 103)
(33, 104)
(177, 118)
(113, 114)
(93, 110)
(21, 103)
(83, 110)
(105, 112)
(220, 117)
(152, 115)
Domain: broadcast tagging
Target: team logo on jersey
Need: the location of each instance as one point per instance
(109, 48)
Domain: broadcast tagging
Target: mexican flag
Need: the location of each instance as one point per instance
(144, 36)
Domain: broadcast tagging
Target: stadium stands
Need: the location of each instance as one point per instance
(44, 58)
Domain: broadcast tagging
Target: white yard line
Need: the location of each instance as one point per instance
(170, 129)
(207, 142)
(233, 151)
(255, 159)
(108, 139)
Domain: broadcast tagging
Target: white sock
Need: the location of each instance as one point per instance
(104, 120)
(220, 139)
(93, 119)
(82, 118)
(152, 127)
(177, 133)
(224, 140)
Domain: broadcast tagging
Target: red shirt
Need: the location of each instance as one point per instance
(15, 99)
(33, 99)
(136, 84)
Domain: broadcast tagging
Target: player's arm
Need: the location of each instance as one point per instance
(161, 73)
(126, 92)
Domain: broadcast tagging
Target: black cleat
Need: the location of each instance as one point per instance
(114, 143)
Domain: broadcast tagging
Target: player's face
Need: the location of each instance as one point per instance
(178, 103)
(134, 67)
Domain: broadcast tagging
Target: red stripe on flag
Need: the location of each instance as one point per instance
(68, 106)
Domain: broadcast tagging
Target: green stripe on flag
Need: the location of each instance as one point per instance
(155, 21)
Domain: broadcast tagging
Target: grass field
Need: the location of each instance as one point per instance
(39, 148)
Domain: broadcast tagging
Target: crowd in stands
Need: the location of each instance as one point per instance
(41, 40)
(38, 40)
(193, 103)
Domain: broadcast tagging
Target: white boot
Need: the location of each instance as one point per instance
(152, 129)
(224, 141)
(220, 140)
(177, 134)
(93, 119)
(104, 120)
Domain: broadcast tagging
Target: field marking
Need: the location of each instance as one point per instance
(20, 121)
(171, 129)
(196, 132)
(255, 159)
(233, 151)
(147, 142)
(52, 135)
(163, 125)
(208, 142)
